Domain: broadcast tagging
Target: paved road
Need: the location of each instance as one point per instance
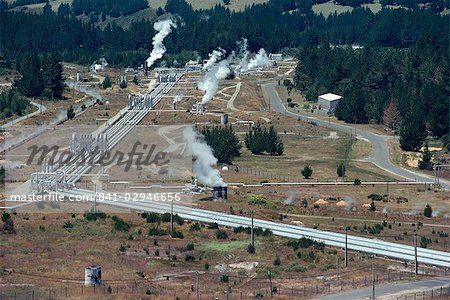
(391, 289)
(60, 117)
(380, 149)
(40, 108)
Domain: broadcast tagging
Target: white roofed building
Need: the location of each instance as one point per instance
(328, 102)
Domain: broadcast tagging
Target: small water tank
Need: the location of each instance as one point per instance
(224, 119)
(92, 275)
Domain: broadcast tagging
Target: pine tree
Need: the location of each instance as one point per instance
(391, 115)
(307, 172)
(340, 170)
(70, 113)
(412, 132)
(372, 206)
(255, 139)
(428, 211)
(274, 145)
(425, 162)
(52, 73)
(31, 84)
(224, 142)
(106, 82)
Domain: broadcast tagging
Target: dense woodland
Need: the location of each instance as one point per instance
(400, 77)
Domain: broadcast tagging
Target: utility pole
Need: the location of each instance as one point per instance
(252, 235)
(171, 217)
(373, 282)
(387, 191)
(197, 288)
(345, 251)
(270, 283)
(416, 266)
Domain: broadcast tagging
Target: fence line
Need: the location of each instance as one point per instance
(235, 288)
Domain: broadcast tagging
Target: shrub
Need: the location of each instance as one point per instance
(121, 225)
(221, 235)
(67, 225)
(206, 266)
(277, 261)
(251, 249)
(195, 227)
(177, 235)
(190, 247)
(155, 231)
(340, 170)
(307, 172)
(357, 181)
(92, 217)
(153, 218)
(428, 211)
(189, 257)
(213, 226)
(224, 278)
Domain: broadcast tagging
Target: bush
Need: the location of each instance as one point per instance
(177, 235)
(357, 181)
(307, 172)
(251, 249)
(424, 242)
(195, 227)
(213, 226)
(341, 170)
(277, 261)
(121, 225)
(156, 232)
(67, 225)
(375, 197)
(221, 235)
(428, 211)
(189, 257)
(153, 218)
(224, 278)
(372, 207)
(190, 247)
(92, 217)
(206, 266)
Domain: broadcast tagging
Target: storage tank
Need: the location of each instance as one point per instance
(92, 275)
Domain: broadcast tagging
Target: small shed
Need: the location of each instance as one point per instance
(328, 102)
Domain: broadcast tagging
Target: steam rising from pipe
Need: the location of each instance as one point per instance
(243, 49)
(178, 98)
(209, 84)
(290, 198)
(164, 28)
(214, 57)
(204, 158)
(261, 60)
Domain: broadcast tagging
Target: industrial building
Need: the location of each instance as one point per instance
(329, 102)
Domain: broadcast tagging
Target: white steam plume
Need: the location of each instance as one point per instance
(349, 203)
(209, 84)
(243, 49)
(204, 158)
(290, 198)
(261, 60)
(163, 27)
(214, 57)
(193, 62)
(178, 98)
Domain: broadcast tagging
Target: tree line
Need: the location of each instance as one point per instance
(265, 25)
(12, 103)
(41, 76)
(404, 89)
